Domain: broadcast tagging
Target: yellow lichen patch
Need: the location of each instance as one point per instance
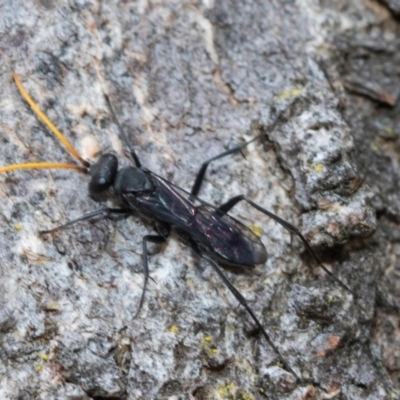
(226, 389)
(256, 229)
(374, 147)
(174, 329)
(17, 227)
(289, 94)
(208, 339)
(329, 299)
(208, 347)
(276, 314)
(318, 168)
(265, 387)
(38, 367)
(213, 352)
(43, 356)
(389, 131)
(247, 396)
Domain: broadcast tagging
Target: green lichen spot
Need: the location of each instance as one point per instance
(288, 94)
(226, 389)
(389, 131)
(247, 396)
(206, 345)
(319, 168)
(256, 229)
(43, 356)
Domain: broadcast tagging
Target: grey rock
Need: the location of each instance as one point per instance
(188, 81)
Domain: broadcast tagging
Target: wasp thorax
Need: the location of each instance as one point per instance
(132, 180)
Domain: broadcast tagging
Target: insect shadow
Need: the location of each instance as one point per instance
(210, 231)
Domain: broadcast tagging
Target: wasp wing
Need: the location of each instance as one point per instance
(215, 232)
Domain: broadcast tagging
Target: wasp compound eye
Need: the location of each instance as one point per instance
(102, 173)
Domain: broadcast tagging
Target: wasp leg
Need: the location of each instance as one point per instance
(224, 208)
(243, 302)
(202, 171)
(157, 239)
(106, 212)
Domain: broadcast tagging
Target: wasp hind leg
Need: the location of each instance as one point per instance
(224, 208)
(239, 297)
(243, 302)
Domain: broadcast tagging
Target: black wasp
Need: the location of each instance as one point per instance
(208, 230)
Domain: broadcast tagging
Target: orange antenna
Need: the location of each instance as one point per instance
(50, 125)
(42, 165)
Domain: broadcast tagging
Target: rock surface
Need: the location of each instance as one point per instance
(189, 80)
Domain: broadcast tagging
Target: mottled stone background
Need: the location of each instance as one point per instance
(190, 79)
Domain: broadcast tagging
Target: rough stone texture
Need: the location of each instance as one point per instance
(394, 6)
(189, 80)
